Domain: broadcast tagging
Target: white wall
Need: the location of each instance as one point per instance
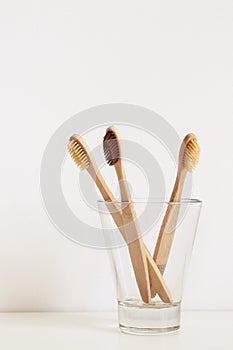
(60, 57)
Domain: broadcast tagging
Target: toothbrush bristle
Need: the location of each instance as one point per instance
(78, 153)
(191, 155)
(111, 147)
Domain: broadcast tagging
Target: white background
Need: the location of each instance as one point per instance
(60, 57)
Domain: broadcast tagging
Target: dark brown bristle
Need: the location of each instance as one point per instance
(111, 148)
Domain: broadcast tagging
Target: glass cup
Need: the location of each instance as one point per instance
(156, 316)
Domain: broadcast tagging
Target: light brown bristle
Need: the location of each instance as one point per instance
(191, 155)
(111, 147)
(78, 153)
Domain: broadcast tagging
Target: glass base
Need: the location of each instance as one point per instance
(135, 317)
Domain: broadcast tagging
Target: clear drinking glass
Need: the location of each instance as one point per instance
(155, 317)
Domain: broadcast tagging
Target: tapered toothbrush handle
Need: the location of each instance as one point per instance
(169, 223)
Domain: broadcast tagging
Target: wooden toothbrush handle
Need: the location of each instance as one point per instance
(144, 267)
(129, 230)
(135, 243)
(136, 252)
(157, 283)
(140, 257)
(137, 248)
(168, 227)
(166, 236)
(139, 263)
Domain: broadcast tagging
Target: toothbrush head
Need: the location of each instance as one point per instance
(79, 152)
(111, 145)
(190, 152)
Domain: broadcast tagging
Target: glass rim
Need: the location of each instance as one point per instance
(155, 200)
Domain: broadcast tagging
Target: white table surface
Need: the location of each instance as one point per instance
(200, 330)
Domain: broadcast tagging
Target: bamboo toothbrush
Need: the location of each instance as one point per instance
(113, 155)
(82, 157)
(188, 159)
